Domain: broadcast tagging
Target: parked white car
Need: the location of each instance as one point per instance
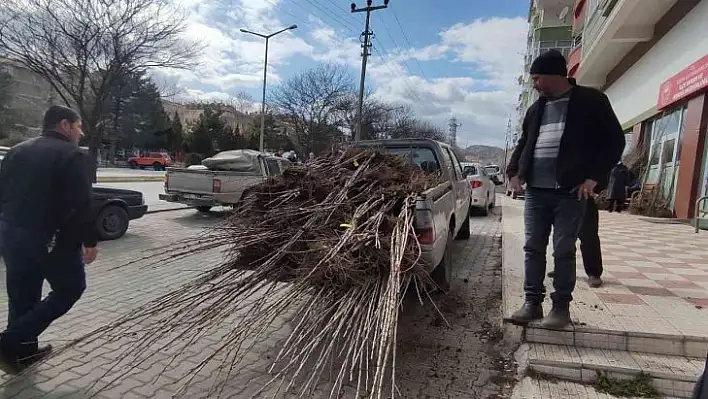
(483, 195)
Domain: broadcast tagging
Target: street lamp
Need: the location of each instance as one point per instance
(265, 72)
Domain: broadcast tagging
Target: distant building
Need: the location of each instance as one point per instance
(30, 95)
(190, 112)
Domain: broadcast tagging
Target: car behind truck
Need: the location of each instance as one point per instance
(442, 212)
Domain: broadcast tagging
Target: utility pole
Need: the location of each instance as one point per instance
(508, 137)
(453, 131)
(366, 45)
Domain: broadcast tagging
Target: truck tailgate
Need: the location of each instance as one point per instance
(192, 181)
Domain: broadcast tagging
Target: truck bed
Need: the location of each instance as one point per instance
(196, 186)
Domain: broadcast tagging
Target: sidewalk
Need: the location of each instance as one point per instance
(650, 316)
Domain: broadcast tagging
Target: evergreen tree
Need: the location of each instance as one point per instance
(133, 115)
(207, 131)
(176, 136)
(275, 138)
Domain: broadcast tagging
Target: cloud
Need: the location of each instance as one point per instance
(474, 65)
(231, 59)
(483, 101)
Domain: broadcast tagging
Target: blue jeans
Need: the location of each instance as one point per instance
(28, 264)
(561, 210)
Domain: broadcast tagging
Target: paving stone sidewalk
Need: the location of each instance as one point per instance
(655, 279)
(469, 359)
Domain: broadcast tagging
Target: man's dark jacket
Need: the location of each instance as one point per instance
(44, 186)
(592, 142)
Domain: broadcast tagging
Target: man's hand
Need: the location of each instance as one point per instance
(585, 190)
(515, 184)
(90, 255)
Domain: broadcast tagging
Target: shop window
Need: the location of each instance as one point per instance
(668, 152)
(655, 155)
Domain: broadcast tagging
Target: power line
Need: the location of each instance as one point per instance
(333, 15)
(405, 37)
(395, 45)
(348, 27)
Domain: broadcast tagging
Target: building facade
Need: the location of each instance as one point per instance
(30, 95)
(651, 59)
(550, 27)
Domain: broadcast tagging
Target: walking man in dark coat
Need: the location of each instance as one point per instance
(617, 187)
(46, 229)
(570, 140)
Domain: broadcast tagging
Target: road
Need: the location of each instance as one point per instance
(468, 359)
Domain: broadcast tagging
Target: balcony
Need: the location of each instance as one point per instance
(612, 28)
(579, 16)
(574, 60)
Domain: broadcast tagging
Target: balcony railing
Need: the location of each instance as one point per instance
(598, 12)
(564, 46)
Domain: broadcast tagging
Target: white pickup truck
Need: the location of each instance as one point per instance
(221, 180)
(442, 212)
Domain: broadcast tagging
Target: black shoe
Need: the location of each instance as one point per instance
(558, 317)
(594, 282)
(552, 274)
(37, 357)
(528, 312)
(9, 364)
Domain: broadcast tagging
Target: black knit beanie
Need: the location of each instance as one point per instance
(551, 62)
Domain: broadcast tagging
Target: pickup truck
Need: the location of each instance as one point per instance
(442, 212)
(220, 180)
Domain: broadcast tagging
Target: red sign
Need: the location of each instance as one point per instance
(689, 81)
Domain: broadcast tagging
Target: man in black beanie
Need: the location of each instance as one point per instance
(570, 140)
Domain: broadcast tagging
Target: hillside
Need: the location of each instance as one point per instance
(484, 154)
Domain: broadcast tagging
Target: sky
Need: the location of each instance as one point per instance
(461, 58)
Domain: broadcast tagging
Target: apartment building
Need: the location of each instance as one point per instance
(29, 97)
(651, 59)
(550, 27)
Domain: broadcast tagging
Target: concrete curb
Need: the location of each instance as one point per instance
(128, 179)
(181, 208)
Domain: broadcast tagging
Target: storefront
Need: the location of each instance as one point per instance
(662, 100)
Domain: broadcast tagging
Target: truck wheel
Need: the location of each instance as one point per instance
(464, 233)
(203, 209)
(133, 165)
(112, 222)
(443, 272)
(157, 166)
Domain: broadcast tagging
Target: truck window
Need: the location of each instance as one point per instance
(456, 164)
(272, 166)
(419, 156)
(448, 161)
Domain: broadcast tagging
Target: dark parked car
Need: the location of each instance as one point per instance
(115, 208)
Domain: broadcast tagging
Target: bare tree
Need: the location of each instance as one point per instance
(377, 116)
(242, 102)
(169, 89)
(81, 47)
(310, 101)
